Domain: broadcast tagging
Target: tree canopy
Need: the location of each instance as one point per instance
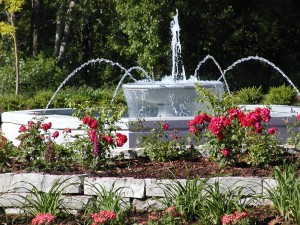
(65, 34)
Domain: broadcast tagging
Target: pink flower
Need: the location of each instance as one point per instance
(298, 117)
(96, 146)
(272, 130)
(93, 134)
(55, 134)
(225, 152)
(42, 218)
(22, 128)
(68, 130)
(102, 217)
(233, 218)
(165, 126)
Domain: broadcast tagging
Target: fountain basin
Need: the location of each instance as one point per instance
(166, 99)
(62, 118)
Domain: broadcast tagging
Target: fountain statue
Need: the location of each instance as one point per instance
(172, 99)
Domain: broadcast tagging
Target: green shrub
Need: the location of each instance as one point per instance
(10, 102)
(282, 95)
(40, 73)
(250, 95)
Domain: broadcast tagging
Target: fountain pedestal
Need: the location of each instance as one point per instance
(166, 99)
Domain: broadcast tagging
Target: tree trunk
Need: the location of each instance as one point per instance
(59, 30)
(65, 38)
(12, 19)
(36, 21)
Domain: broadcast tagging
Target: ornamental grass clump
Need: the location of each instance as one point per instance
(107, 206)
(199, 200)
(285, 194)
(44, 205)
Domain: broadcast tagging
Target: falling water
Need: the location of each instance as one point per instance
(93, 61)
(219, 68)
(127, 73)
(249, 58)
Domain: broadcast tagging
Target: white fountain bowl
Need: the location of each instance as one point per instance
(166, 99)
(62, 118)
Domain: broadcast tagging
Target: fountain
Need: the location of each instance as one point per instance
(174, 96)
(173, 99)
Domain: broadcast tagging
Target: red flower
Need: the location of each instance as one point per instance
(55, 134)
(94, 125)
(121, 139)
(193, 129)
(86, 120)
(46, 126)
(22, 128)
(272, 130)
(225, 152)
(165, 126)
(298, 117)
(109, 140)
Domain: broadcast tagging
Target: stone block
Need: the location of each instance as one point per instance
(25, 182)
(127, 187)
(249, 185)
(70, 183)
(147, 204)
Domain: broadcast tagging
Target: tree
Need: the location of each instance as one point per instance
(12, 7)
(36, 21)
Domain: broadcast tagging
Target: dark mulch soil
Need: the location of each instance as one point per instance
(200, 167)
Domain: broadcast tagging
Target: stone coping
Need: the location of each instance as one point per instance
(140, 193)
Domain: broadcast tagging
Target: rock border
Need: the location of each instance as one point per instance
(142, 194)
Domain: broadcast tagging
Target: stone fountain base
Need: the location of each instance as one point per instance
(62, 118)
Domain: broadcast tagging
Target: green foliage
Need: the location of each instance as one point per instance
(32, 142)
(198, 199)
(40, 73)
(45, 202)
(285, 196)
(7, 151)
(250, 95)
(142, 33)
(70, 97)
(111, 200)
(100, 136)
(212, 104)
(160, 144)
(282, 95)
(293, 129)
(11, 102)
(233, 135)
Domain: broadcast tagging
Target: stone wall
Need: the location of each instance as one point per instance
(140, 193)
